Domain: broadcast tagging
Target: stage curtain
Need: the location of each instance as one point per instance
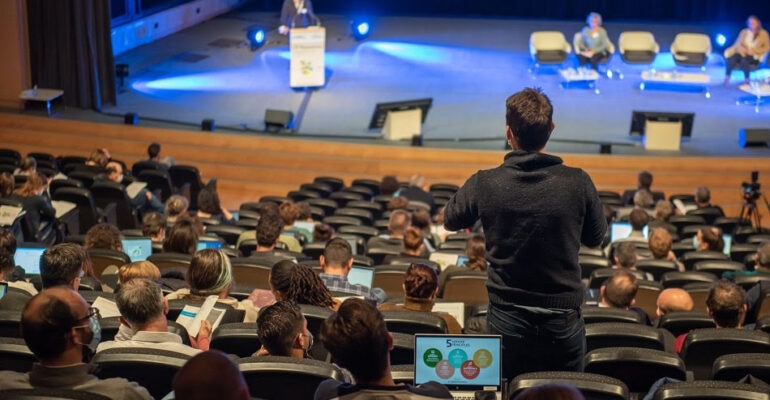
(71, 49)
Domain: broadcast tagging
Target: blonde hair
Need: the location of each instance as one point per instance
(138, 269)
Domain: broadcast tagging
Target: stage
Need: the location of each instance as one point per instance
(468, 66)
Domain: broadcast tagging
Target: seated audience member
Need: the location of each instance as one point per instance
(211, 274)
(358, 340)
(709, 239)
(144, 201)
(143, 310)
(413, 246)
(645, 183)
(418, 191)
(138, 269)
(153, 154)
(268, 234)
(288, 211)
(209, 206)
(7, 185)
(421, 221)
(754, 299)
(397, 203)
(176, 205)
(40, 213)
(761, 267)
(726, 304)
(476, 251)
(438, 229)
(282, 331)
(103, 236)
(625, 256)
(673, 299)
(336, 262)
(643, 199)
(28, 166)
(299, 284)
(398, 222)
(210, 375)
(304, 214)
(62, 265)
(181, 238)
(154, 227)
(660, 243)
(619, 291)
(638, 219)
(62, 331)
(389, 185)
(551, 391)
(96, 162)
(703, 200)
(420, 291)
(322, 233)
(664, 210)
(8, 263)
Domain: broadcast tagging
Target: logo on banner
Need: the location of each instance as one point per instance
(306, 67)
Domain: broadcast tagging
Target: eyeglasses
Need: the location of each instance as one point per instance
(92, 311)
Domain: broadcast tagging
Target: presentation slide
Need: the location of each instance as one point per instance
(458, 361)
(29, 259)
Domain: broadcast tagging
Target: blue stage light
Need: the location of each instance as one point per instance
(256, 38)
(360, 29)
(720, 39)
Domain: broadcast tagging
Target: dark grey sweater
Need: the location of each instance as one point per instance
(535, 212)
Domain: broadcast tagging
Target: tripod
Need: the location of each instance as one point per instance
(750, 213)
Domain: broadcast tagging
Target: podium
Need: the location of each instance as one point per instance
(663, 135)
(401, 125)
(308, 64)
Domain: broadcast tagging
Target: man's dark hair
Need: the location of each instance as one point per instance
(269, 229)
(357, 339)
(626, 254)
(389, 185)
(702, 195)
(725, 303)
(620, 290)
(421, 219)
(7, 250)
(277, 327)
(712, 239)
(139, 301)
(153, 223)
(638, 219)
(337, 252)
(60, 264)
(645, 180)
(45, 330)
(182, 237)
(529, 114)
(208, 201)
(153, 150)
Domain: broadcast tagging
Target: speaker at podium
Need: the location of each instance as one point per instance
(400, 120)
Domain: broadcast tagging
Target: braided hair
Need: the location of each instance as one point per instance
(300, 284)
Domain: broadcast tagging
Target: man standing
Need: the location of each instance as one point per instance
(535, 212)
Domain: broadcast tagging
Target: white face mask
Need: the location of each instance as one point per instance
(695, 243)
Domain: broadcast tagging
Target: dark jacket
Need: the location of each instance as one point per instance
(535, 212)
(289, 15)
(38, 208)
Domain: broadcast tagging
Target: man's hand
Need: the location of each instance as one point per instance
(261, 352)
(148, 195)
(283, 29)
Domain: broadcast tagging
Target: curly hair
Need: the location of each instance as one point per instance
(420, 281)
(298, 283)
(103, 236)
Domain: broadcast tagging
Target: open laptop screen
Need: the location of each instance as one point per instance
(29, 259)
(137, 249)
(621, 230)
(461, 362)
(728, 239)
(361, 276)
(208, 244)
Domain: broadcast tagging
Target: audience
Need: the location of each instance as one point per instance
(421, 220)
(412, 247)
(620, 292)
(389, 185)
(673, 299)
(154, 227)
(761, 267)
(96, 162)
(8, 263)
(211, 274)
(322, 233)
(417, 191)
(62, 265)
(336, 262)
(103, 236)
(625, 256)
(28, 166)
(299, 284)
(397, 223)
(664, 210)
(138, 269)
(282, 331)
(726, 304)
(420, 291)
(181, 238)
(551, 391)
(210, 208)
(476, 252)
(40, 214)
(7, 185)
(144, 201)
(268, 234)
(291, 213)
(638, 219)
(358, 340)
(153, 154)
(176, 205)
(709, 239)
(210, 375)
(703, 201)
(645, 183)
(397, 203)
(143, 310)
(62, 331)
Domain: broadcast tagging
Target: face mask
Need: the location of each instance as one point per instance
(96, 336)
(309, 345)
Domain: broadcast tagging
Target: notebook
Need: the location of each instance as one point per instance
(137, 249)
(463, 363)
(209, 244)
(361, 276)
(62, 207)
(621, 230)
(29, 259)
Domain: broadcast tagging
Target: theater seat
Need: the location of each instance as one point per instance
(599, 276)
(710, 390)
(638, 47)
(613, 334)
(236, 338)
(680, 279)
(171, 262)
(49, 394)
(390, 278)
(278, 378)
(734, 367)
(679, 322)
(315, 316)
(589, 264)
(763, 324)
(402, 373)
(251, 273)
(657, 267)
(719, 267)
(154, 369)
(689, 259)
(10, 323)
(637, 368)
(592, 386)
(15, 355)
(413, 322)
(403, 349)
(548, 47)
(469, 287)
(703, 346)
(102, 259)
(596, 315)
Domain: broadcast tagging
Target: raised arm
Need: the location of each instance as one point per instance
(462, 209)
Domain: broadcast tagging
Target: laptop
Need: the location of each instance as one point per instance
(461, 260)
(3, 289)
(209, 244)
(137, 249)
(361, 276)
(621, 230)
(29, 258)
(306, 225)
(728, 239)
(463, 363)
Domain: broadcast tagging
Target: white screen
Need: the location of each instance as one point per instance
(457, 360)
(621, 230)
(29, 259)
(728, 239)
(361, 276)
(137, 249)
(205, 244)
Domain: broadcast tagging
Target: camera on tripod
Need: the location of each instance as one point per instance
(751, 189)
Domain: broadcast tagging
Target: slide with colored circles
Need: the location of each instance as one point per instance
(458, 361)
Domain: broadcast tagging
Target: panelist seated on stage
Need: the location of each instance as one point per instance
(296, 14)
(752, 44)
(592, 44)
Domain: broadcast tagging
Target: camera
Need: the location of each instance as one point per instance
(751, 189)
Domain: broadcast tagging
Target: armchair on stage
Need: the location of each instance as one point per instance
(638, 47)
(691, 50)
(549, 48)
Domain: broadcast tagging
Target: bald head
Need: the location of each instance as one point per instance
(47, 322)
(673, 299)
(210, 375)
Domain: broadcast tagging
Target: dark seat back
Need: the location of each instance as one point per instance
(591, 386)
(681, 322)
(413, 322)
(599, 276)
(690, 258)
(734, 367)
(158, 182)
(15, 355)
(229, 233)
(613, 334)
(171, 262)
(390, 278)
(638, 368)
(710, 390)
(49, 394)
(657, 267)
(595, 315)
(187, 175)
(278, 378)
(680, 279)
(719, 267)
(10, 323)
(589, 264)
(250, 272)
(104, 258)
(14, 300)
(151, 368)
(702, 347)
(236, 338)
(403, 349)
(106, 193)
(87, 212)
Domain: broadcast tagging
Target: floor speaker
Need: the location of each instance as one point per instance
(753, 137)
(277, 120)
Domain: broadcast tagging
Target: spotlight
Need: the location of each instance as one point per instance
(720, 39)
(256, 37)
(131, 118)
(360, 29)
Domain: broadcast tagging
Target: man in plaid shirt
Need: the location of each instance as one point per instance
(336, 262)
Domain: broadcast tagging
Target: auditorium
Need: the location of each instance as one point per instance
(362, 199)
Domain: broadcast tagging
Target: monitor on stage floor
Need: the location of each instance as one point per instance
(381, 110)
(640, 118)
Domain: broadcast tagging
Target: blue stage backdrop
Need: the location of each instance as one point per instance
(647, 10)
